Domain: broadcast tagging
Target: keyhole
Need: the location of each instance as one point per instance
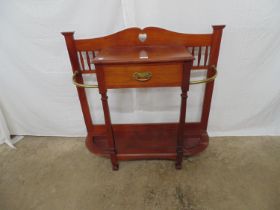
(142, 37)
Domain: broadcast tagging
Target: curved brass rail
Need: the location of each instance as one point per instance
(79, 84)
(210, 79)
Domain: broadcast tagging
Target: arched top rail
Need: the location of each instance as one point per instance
(147, 36)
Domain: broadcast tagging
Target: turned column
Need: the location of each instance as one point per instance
(181, 126)
(109, 129)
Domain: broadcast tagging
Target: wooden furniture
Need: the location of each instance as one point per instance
(137, 58)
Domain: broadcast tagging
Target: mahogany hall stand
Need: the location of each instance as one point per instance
(145, 58)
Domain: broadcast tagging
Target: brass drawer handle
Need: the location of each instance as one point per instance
(142, 76)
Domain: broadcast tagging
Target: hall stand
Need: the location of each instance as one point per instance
(145, 58)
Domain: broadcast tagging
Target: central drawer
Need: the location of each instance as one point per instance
(143, 75)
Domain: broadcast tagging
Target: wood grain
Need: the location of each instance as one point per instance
(155, 36)
(163, 75)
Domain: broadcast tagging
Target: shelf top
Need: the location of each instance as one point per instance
(142, 54)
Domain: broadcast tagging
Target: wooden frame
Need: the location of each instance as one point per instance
(102, 139)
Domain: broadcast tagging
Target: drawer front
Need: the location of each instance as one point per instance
(143, 75)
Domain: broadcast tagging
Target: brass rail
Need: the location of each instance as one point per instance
(210, 79)
(80, 84)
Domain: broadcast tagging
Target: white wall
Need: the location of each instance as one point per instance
(37, 97)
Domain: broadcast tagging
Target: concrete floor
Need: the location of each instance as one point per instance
(59, 173)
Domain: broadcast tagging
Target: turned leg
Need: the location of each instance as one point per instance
(114, 160)
(181, 125)
(110, 136)
(179, 157)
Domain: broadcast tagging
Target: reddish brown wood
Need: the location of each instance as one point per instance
(81, 60)
(181, 127)
(100, 130)
(155, 36)
(72, 52)
(110, 135)
(214, 54)
(199, 56)
(88, 60)
(163, 75)
(206, 56)
(145, 141)
(148, 141)
(142, 54)
(130, 62)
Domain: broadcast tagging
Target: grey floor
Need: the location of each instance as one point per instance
(54, 173)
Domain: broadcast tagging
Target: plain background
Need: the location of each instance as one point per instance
(38, 98)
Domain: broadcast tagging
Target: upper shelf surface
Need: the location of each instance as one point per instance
(142, 54)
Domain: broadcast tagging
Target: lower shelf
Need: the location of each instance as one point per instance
(147, 141)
